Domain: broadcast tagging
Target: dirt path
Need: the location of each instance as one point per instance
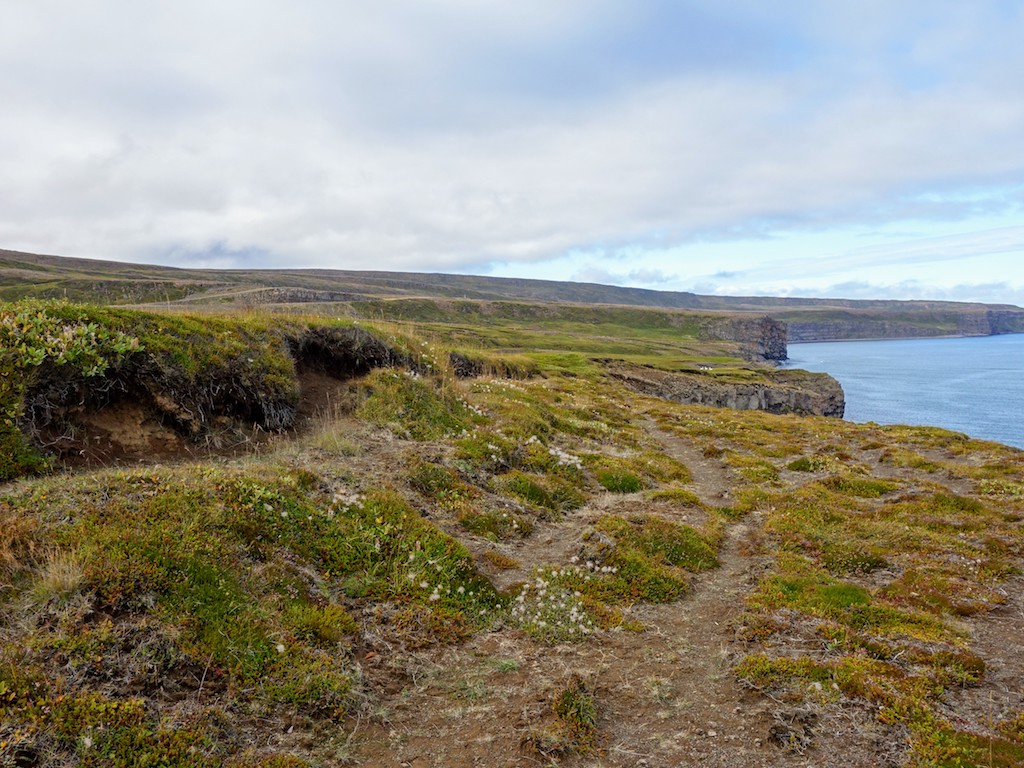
(666, 696)
(675, 698)
(711, 479)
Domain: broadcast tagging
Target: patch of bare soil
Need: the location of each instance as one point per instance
(123, 432)
(322, 397)
(129, 432)
(711, 478)
(665, 696)
(998, 637)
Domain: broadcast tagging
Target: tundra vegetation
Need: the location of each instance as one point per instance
(273, 539)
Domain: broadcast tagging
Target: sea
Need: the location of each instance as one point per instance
(972, 385)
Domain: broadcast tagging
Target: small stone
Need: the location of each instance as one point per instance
(712, 734)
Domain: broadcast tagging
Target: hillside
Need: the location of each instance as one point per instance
(32, 275)
(493, 537)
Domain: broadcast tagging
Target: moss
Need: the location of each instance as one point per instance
(576, 710)
(631, 474)
(442, 486)
(762, 671)
(946, 747)
(95, 730)
(416, 407)
(676, 544)
(618, 481)
(495, 525)
(551, 493)
(802, 587)
(812, 464)
(500, 561)
(680, 496)
(754, 469)
(859, 486)
(238, 566)
(574, 730)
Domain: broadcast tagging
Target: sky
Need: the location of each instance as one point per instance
(869, 149)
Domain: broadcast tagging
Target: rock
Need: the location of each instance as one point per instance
(881, 324)
(763, 338)
(799, 392)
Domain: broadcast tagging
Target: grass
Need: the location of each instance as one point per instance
(551, 493)
(662, 541)
(307, 584)
(404, 402)
(249, 578)
(574, 726)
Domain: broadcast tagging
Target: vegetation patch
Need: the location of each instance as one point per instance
(270, 610)
(416, 407)
(864, 487)
(661, 540)
(495, 525)
(574, 730)
(244, 580)
(618, 481)
(550, 611)
(551, 493)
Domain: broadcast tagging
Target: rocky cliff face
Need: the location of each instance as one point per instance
(1005, 321)
(297, 296)
(763, 338)
(849, 325)
(842, 330)
(799, 392)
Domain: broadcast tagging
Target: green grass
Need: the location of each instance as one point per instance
(247, 576)
(551, 493)
(674, 544)
(275, 587)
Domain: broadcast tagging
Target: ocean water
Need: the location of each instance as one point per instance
(972, 385)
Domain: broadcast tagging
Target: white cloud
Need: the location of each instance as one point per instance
(440, 135)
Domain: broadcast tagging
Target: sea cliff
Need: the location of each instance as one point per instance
(798, 392)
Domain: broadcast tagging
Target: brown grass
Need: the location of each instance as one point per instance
(17, 542)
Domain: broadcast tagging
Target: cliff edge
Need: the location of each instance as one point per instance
(798, 392)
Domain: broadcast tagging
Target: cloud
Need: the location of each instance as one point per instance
(447, 134)
(650, 277)
(637, 278)
(988, 293)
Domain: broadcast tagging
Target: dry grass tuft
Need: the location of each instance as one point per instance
(17, 542)
(60, 573)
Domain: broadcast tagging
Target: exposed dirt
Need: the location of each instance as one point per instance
(666, 696)
(711, 478)
(322, 398)
(998, 638)
(134, 431)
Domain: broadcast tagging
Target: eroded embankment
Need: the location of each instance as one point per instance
(99, 386)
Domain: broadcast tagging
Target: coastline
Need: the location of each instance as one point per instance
(964, 387)
(906, 338)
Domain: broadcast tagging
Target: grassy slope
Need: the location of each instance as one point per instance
(23, 274)
(262, 611)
